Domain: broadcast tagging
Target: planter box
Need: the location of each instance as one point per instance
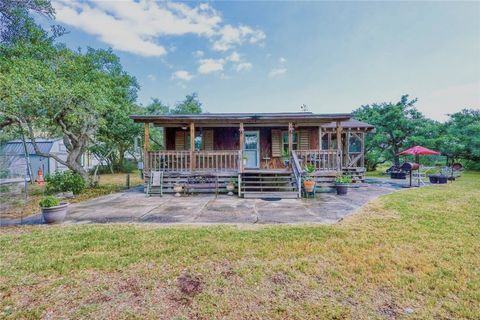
(438, 179)
(55, 214)
(398, 175)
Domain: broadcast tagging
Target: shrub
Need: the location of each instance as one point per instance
(49, 201)
(64, 182)
(343, 179)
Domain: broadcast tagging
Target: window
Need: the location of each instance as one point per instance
(355, 144)
(285, 142)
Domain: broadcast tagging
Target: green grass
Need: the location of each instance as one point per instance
(411, 254)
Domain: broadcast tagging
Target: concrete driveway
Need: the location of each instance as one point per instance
(134, 207)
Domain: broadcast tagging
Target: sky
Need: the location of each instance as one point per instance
(275, 56)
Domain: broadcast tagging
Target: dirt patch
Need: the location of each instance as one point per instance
(189, 284)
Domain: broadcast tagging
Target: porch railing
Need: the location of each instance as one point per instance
(297, 172)
(321, 159)
(180, 161)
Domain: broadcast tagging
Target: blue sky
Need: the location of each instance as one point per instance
(275, 56)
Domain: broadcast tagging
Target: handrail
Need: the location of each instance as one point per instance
(203, 160)
(297, 172)
(321, 159)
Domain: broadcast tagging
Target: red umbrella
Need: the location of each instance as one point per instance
(417, 150)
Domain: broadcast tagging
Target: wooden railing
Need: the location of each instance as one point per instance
(297, 172)
(321, 159)
(218, 160)
(181, 161)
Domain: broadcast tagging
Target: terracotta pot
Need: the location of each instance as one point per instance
(309, 185)
(230, 188)
(55, 214)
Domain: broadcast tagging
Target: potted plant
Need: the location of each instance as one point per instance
(342, 183)
(53, 210)
(308, 182)
(177, 188)
(285, 158)
(245, 160)
(231, 187)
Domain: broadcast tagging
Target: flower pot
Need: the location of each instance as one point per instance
(433, 179)
(442, 179)
(55, 214)
(230, 188)
(309, 185)
(342, 189)
(177, 188)
(245, 162)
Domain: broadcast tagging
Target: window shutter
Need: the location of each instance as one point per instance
(304, 139)
(276, 143)
(180, 140)
(207, 139)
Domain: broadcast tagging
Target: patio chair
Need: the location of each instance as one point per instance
(421, 175)
(155, 183)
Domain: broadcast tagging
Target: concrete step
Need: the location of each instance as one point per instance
(263, 195)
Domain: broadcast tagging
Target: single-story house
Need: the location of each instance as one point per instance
(13, 160)
(264, 153)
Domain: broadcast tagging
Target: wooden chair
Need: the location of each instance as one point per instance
(155, 183)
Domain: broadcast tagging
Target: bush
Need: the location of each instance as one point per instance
(128, 166)
(49, 201)
(64, 182)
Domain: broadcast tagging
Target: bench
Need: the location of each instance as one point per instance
(201, 182)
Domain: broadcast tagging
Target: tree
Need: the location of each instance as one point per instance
(397, 125)
(460, 138)
(46, 88)
(190, 105)
(15, 21)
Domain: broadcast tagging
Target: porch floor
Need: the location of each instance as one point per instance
(134, 207)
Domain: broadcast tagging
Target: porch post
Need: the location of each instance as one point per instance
(242, 141)
(363, 150)
(192, 146)
(339, 147)
(146, 145)
(319, 137)
(290, 138)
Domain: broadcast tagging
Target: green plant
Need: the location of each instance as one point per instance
(308, 169)
(49, 201)
(343, 179)
(285, 155)
(64, 182)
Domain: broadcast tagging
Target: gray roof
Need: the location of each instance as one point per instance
(242, 117)
(350, 124)
(15, 147)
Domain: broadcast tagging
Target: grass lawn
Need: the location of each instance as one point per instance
(14, 205)
(410, 254)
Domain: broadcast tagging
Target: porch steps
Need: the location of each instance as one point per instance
(257, 185)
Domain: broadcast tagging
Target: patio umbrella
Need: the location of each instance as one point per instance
(418, 150)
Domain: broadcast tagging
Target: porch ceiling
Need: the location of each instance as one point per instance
(221, 119)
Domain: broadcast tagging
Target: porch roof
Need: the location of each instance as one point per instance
(352, 124)
(246, 118)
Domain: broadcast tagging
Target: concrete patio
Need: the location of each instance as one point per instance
(134, 207)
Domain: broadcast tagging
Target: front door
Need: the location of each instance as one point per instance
(251, 149)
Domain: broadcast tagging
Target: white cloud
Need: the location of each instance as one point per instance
(182, 75)
(231, 36)
(151, 77)
(277, 72)
(282, 60)
(234, 57)
(244, 66)
(198, 54)
(137, 26)
(210, 65)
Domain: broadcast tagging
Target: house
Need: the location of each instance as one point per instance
(264, 153)
(13, 160)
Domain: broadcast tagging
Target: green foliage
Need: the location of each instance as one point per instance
(64, 182)
(343, 179)
(309, 168)
(396, 124)
(49, 201)
(190, 105)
